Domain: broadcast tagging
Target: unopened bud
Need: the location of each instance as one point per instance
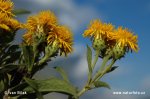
(99, 44)
(118, 52)
(51, 49)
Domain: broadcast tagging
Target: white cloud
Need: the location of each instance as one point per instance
(81, 69)
(68, 11)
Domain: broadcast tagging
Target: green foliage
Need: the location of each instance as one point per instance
(28, 56)
(51, 85)
(8, 68)
(99, 84)
(47, 86)
(112, 69)
(19, 63)
(4, 81)
(7, 52)
(62, 73)
(89, 60)
(21, 11)
(34, 87)
(6, 37)
(1, 86)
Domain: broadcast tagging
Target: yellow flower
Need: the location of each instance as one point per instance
(45, 25)
(9, 23)
(41, 22)
(3, 26)
(13, 24)
(6, 7)
(125, 38)
(97, 30)
(63, 36)
(47, 18)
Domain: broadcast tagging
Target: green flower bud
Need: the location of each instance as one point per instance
(118, 52)
(38, 40)
(99, 44)
(51, 49)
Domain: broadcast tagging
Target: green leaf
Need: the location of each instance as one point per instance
(31, 83)
(98, 84)
(6, 37)
(89, 59)
(9, 54)
(13, 48)
(8, 67)
(62, 73)
(21, 86)
(35, 87)
(51, 85)
(21, 11)
(1, 86)
(4, 82)
(112, 69)
(28, 56)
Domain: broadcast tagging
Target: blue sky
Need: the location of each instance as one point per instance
(134, 70)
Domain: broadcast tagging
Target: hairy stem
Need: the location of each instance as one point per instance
(99, 75)
(82, 91)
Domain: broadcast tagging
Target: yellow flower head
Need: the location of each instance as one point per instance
(97, 30)
(45, 25)
(9, 23)
(6, 7)
(63, 36)
(13, 24)
(47, 18)
(41, 22)
(125, 38)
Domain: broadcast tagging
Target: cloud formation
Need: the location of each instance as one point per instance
(68, 12)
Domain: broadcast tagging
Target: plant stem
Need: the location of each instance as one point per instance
(102, 71)
(96, 58)
(105, 60)
(44, 59)
(82, 91)
(105, 71)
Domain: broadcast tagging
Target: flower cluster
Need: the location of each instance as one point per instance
(44, 26)
(107, 39)
(7, 22)
(99, 32)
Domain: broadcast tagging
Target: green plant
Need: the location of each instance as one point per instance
(44, 39)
